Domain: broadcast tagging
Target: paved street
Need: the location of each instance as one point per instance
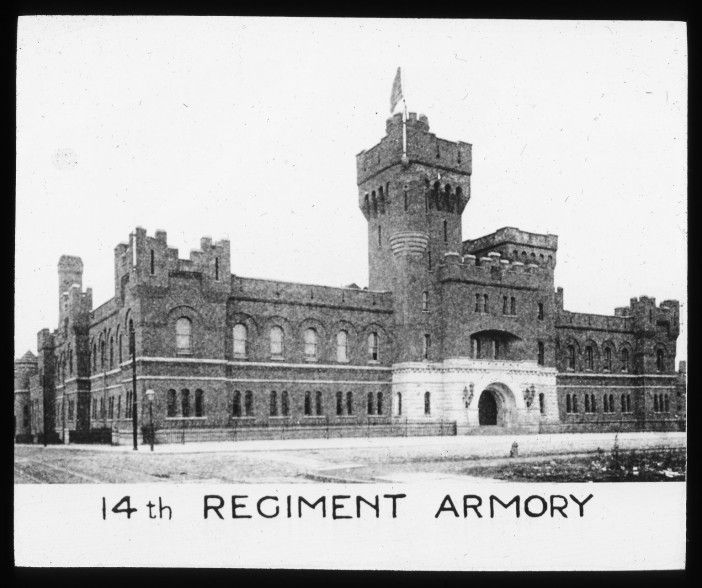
(397, 459)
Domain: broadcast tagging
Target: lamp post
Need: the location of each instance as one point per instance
(150, 398)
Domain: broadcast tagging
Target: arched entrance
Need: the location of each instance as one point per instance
(487, 409)
(496, 406)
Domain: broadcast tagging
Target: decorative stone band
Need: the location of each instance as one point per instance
(409, 242)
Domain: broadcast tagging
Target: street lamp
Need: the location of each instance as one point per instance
(150, 398)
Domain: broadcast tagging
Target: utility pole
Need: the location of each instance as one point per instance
(132, 349)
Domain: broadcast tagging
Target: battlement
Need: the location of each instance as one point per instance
(150, 261)
(517, 245)
(423, 147)
(295, 293)
(493, 268)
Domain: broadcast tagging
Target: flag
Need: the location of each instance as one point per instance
(396, 94)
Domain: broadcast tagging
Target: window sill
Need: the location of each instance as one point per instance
(184, 353)
(277, 358)
(186, 418)
(343, 361)
(240, 356)
(311, 360)
(243, 418)
(373, 361)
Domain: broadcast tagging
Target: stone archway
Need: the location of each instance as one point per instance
(496, 405)
(487, 409)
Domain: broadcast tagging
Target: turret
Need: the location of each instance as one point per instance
(70, 272)
(413, 203)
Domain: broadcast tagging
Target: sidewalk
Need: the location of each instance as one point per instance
(464, 446)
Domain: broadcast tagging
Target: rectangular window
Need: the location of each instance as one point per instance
(445, 232)
(477, 303)
(339, 403)
(427, 344)
(513, 305)
(541, 311)
(540, 357)
(153, 264)
(504, 305)
(216, 268)
(380, 236)
(485, 303)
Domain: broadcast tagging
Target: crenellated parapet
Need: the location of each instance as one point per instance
(516, 245)
(493, 269)
(149, 261)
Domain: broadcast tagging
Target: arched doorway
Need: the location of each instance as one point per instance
(487, 409)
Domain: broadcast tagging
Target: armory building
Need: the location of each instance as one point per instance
(450, 337)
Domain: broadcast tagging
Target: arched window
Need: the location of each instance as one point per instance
(94, 357)
(310, 337)
(587, 403)
(667, 403)
(102, 353)
(589, 362)
(276, 341)
(274, 403)
(504, 305)
(339, 403)
(236, 404)
(379, 398)
(285, 403)
(349, 403)
(183, 332)
(569, 406)
(248, 403)
(427, 403)
(371, 404)
(445, 232)
(542, 403)
(477, 303)
(70, 360)
(622, 403)
(319, 406)
(112, 352)
(571, 357)
(575, 403)
(625, 360)
(593, 403)
(399, 404)
(199, 403)
(608, 359)
(660, 360)
(239, 333)
(120, 343)
(373, 342)
(513, 305)
(628, 402)
(540, 353)
(171, 404)
(541, 311)
(655, 403)
(605, 404)
(427, 345)
(611, 403)
(485, 303)
(342, 346)
(185, 402)
(425, 301)
(308, 403)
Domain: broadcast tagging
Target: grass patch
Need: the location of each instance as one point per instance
(658, 465)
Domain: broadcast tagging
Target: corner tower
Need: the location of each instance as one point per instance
(413, 203)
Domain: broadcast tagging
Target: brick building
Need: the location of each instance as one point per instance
(451, 336)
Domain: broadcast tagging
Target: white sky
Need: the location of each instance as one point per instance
(248, 128)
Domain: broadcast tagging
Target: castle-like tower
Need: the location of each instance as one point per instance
(413, 203)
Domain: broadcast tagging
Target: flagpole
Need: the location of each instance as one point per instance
(404, 128)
